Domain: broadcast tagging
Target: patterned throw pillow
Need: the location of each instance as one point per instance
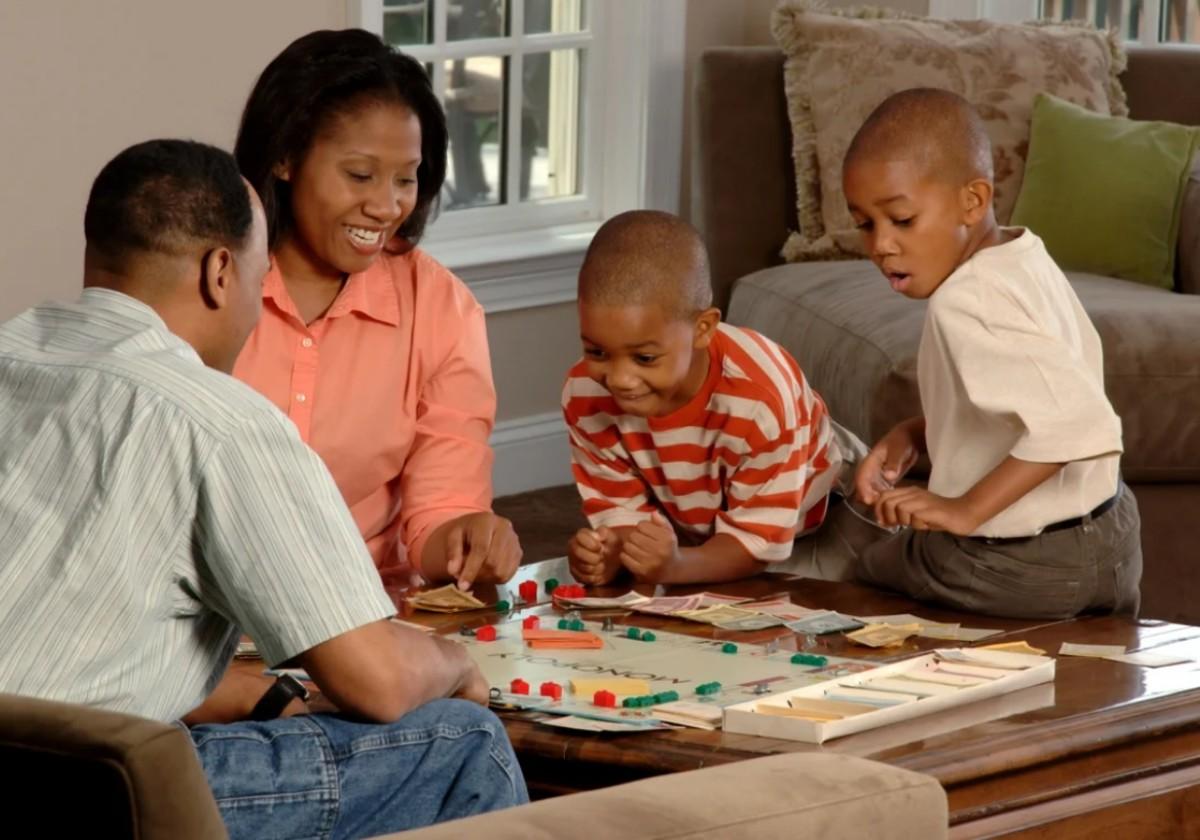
(841, 64)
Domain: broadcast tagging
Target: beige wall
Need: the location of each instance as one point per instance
(79, 81)
(167, 68)
(532, 350)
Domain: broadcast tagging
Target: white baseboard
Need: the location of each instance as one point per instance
(531, 453)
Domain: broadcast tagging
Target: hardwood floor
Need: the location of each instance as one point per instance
(544, 519)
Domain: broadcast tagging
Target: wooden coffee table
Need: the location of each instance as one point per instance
(1107, 747)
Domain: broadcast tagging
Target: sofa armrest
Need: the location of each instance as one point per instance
(778, 797)
(78, 771)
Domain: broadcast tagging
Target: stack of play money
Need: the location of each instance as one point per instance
(716, 615)
(448, 599)
(883, 635)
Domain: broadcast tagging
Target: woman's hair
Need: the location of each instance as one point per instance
(318, 78)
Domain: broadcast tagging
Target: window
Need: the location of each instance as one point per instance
(512, 76)
(561, 114)
(1145, 21)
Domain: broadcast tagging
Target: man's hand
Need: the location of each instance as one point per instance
(924, 511)
(474, 686)
(481, 547)
(651, 549)
(595, 556)
(236, 695)
(887, 462)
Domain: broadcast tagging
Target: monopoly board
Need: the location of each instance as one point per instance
(672, 662)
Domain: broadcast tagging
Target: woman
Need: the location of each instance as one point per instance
(376, 351)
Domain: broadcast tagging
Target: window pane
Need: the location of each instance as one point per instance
(1123, 15)
(467, 19)
(1181, 21)
(407, 22)
(550, 135)
(554, 16)
(475, 90)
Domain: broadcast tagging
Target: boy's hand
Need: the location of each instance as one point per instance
(595, 556)
(650, 549)
(885, 464)
(924, 511)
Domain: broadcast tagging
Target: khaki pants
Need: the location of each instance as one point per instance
(1093, 567)
(832, 552)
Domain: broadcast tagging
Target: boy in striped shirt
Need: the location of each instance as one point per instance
(684, 429)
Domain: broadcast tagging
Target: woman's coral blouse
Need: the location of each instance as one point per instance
(392, 387)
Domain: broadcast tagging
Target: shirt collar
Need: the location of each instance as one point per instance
(370, 293)
(124, 309)
(119, 303)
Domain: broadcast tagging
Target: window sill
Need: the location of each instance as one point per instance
(519, 270)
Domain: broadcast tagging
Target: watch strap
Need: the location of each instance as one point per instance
(283, 691)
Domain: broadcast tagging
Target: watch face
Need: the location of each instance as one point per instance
(297, 688)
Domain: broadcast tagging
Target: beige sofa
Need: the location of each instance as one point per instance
(76, 771)
(857, 340)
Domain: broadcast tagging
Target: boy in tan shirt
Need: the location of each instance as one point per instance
(1025, 514)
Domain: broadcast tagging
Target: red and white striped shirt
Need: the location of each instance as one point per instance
(751, 455)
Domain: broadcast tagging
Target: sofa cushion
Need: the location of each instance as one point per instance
(856, 341)
(840, 65)
(1105, 193)
(778, 797)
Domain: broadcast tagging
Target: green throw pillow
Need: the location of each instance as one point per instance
(1104, 193)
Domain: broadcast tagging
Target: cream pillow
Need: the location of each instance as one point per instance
(841, 64)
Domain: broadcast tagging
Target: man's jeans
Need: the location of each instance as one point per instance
(320, 776)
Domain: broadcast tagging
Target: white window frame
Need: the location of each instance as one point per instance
(526, 254)
(1016, 11)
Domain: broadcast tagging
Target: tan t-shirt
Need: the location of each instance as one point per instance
(1010, 364)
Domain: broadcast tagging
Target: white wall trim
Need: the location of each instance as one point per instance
(645, 44)
(519, 271)
(531, 453)
(528, 291)
(666, 35)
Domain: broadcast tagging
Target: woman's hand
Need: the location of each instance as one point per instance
(481, 547)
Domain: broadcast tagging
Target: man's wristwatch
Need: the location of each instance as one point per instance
(285, 689)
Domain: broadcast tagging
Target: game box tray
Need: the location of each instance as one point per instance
(924, 685)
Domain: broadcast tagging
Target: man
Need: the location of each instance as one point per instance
(153, 507)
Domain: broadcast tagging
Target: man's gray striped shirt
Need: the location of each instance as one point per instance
(150, 507)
